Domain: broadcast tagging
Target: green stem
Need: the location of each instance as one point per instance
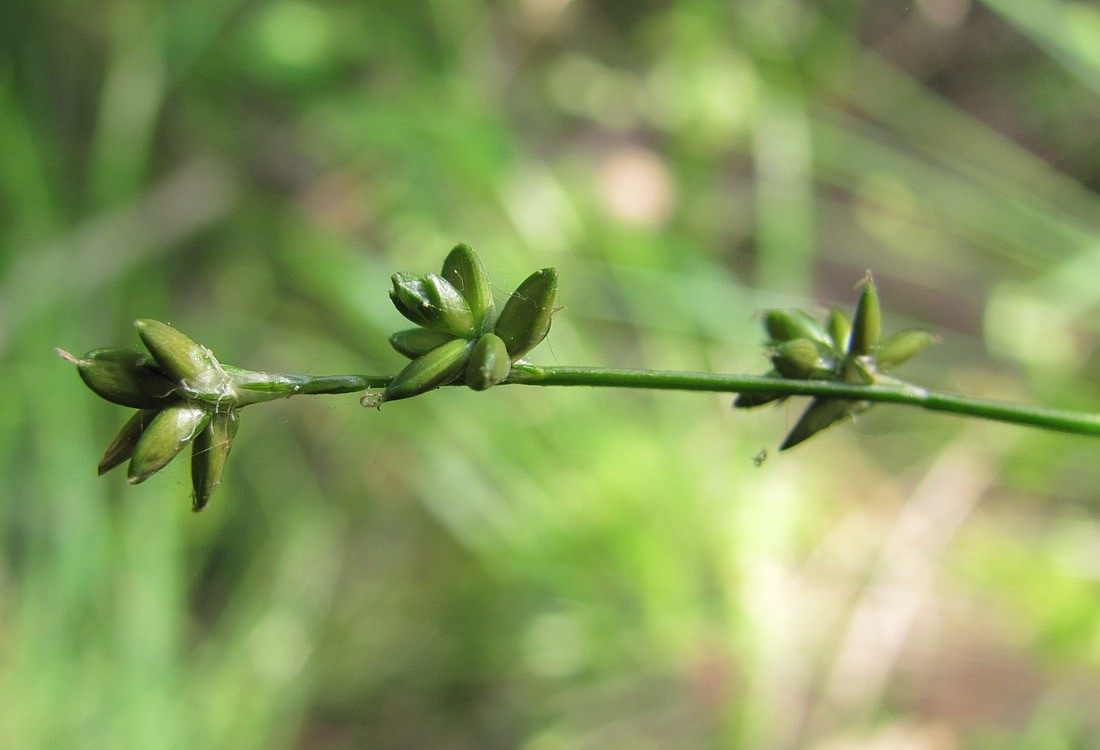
(322, 384)
(252, 387)
(1080, 423)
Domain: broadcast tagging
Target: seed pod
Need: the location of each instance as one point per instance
(867, 324)
(164, 437)
(787, 325)
(410, 296)
(416, 342)
(437, 368)
(821, 413)
(525, 319)
(122, 447)
(181, 359)
(209, 454)
(489, 363)
(463, 269)
(840, 329)
(432, 302)
(902, 346)
(124, 377)
(803, 359)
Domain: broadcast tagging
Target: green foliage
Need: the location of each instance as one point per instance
(519, 569)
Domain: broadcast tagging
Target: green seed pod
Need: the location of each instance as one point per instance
(410, 296)
(787, 325)
(122, 447)
(432, 302)
(124, 377)
(209, 454)
(416, 342)
(803, 359)
(867, 324)
(903, 346)
(181, 358)
(437, 368)
(821, 413)
(840, 329)
(164, 437)
(463, 269)
(525, 319)
(489, 363)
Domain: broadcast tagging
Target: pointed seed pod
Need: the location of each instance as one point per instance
(903, 346)
(455, 315)
(820, 414)
(867, 324)
(525, 319)
(416, 342)
(437, 368)
(840, 329)
(122, 447)
(803, 359)
(164, 437)
(192, 366)
(209, 454)
(432, 302)
(124, 377)
(181, 358)
(787, 325)
(464, 270)
(489, 363)
(410, 296)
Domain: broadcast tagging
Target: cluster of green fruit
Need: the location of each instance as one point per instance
(459, 335)
(836, 348)
(185, 397)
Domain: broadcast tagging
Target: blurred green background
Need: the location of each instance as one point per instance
(551, 569)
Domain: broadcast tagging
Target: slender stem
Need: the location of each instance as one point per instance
(252, 387)
(1081, 423)
(321, 384)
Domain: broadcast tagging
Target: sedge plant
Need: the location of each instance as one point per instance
(184, 396)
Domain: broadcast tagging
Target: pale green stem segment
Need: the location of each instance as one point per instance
(1059, 420)
(256, 387)
(293, 385)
